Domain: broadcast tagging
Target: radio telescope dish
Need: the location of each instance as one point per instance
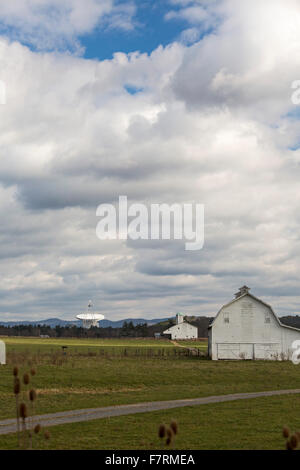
(90, 318)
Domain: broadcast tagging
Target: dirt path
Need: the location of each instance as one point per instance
(9, 425)
(194, 351)
(177, 344)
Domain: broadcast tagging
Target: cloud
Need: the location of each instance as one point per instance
(57, 24)
(193, 14)
(190, 36)
(203, 17)
(240, 63)
(211, 123)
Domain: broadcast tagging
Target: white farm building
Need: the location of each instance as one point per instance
(2, 353)
(248, 328)
(182, 329)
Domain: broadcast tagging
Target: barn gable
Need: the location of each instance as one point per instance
(248, 294)
(242, 300)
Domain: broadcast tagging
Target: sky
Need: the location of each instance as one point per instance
(166, 101)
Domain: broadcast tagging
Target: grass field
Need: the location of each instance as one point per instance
(248, 424)
(88, 343)
(109, 372)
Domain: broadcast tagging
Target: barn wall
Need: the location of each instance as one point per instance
(209, 342)
(183, 331)
(247, 329)
(289, 336)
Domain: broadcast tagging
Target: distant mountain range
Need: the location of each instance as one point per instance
(53, 322)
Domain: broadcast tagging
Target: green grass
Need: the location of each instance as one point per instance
(33, 342)
(82, 379)
(94, 372)
(56, 343)
(193, 344)
(246, 424)
(111, 346)
(97, 373)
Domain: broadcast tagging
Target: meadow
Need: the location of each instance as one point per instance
(242, 425)
(94, 373)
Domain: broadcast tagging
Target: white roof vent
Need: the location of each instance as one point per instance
(242, 290)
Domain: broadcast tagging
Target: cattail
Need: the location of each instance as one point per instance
(47, 435)
(32, 395)
(26, 379)
(286, 432)
(294, 441)
(17, 389)
(168, 441)
(17, 386)
(37, 429)
(169, 433)
(33, 372)
(174, 426)
(15, 371)
(288, 445)
(162, 431)
(23, 411)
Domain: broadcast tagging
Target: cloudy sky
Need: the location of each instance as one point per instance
(165, 101)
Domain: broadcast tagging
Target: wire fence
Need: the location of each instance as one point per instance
(61, 356)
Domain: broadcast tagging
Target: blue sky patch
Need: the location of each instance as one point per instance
(151, 30)
(132, 90)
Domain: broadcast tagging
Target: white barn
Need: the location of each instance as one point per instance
(2, 353)
(248, 328)
(182, 329)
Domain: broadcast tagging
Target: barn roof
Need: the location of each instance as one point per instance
(175, 326)
(247, 293)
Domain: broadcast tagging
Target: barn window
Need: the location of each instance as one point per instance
(267, 319)
(226, 317)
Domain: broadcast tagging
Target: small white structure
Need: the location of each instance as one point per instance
(182, 329)
(90, 318)
(2, 353)
(248, 328)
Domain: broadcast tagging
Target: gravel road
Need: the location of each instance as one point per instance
(75, 416)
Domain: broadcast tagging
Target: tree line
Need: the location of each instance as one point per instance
(128, 330)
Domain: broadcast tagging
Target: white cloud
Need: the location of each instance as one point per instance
(248, 62)
(201, 15)
(193, 14)
(211, 123)
(57, 24)
(189, 36)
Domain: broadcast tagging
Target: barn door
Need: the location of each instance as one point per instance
(246, 351)
(267, 351)
(228, 351)
(235, 351)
